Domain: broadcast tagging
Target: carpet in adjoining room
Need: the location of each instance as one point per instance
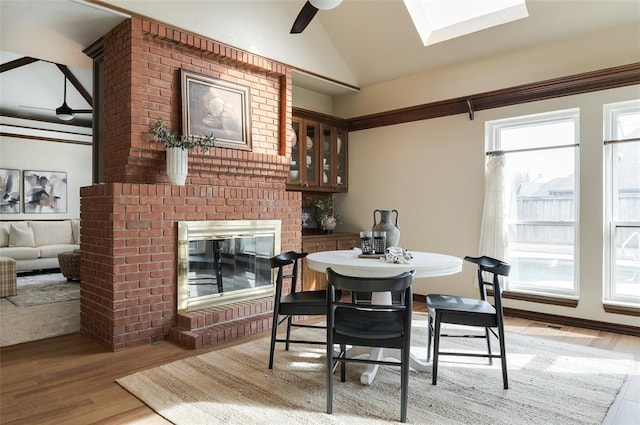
(550, 383)
(46, 305)
(44, 289)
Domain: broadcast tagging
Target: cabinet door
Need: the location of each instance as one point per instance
(296, 154)
(328, 178)
(312, 280)
(310, 144)
(340, 162)
(348, 242)
(304, 170)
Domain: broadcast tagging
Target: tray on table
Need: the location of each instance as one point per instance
(370, 255)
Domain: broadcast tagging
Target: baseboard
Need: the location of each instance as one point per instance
(562, 320)
(574, 321)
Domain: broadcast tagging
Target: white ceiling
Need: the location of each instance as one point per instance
(56, 32)
(369, 34)
(374, 38)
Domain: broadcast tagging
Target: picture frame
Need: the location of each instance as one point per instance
(10, 191)
(44, 191)
(309, 219)
(214, 106)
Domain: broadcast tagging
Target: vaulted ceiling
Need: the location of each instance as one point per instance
(366, 35)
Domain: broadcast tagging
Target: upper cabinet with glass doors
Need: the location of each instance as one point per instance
(304, 171)
(319, 153)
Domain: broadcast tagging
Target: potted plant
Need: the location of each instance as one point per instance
(326, 217)
(178, 148)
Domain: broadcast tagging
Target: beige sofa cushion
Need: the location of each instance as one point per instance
(21, 235)
(47, 251)
(52, 232)
(20, 253)
(75, 228)
(4, 233)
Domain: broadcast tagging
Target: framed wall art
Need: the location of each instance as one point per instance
(309, 219)
(9, 191)
(45, 192)
(218, 107)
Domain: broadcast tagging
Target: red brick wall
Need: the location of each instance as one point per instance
(129, 223)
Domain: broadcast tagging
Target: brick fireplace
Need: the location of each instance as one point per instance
(129, 222)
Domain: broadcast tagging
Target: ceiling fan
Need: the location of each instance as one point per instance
(309, 10)
(64, 112)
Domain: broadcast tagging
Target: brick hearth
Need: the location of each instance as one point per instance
(215, 325)
(129, 220)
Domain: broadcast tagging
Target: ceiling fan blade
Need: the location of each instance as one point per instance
(36, 107)
(82, 111)
(305, 16)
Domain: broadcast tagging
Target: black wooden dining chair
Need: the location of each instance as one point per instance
(368, 325)
(477, 312)
(295, 303)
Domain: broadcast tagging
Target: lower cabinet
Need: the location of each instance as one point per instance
(312, 280)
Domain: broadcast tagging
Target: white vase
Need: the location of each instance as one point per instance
(177, 160)
(329, 223)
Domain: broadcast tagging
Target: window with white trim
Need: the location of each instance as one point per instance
(622, 167)
(541, 157)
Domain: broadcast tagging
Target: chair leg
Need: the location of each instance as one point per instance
(289, 319)
(503, 357)
(436, 349)
(343, 365)
(429, 336)
(404, 384)
(486, 335)
(331, 364)
(274, 331)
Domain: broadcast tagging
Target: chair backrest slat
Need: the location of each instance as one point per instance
(364, 284)
(397, 284)
(282, 260)
(495, 268)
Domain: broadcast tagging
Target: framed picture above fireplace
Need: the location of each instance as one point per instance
(214, 106)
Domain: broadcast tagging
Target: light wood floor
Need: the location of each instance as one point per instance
(71, 379)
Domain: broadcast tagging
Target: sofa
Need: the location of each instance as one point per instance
(35, 244)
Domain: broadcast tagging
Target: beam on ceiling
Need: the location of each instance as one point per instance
(74, 81)
(17, 63)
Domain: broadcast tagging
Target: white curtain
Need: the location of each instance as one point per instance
(494, 236)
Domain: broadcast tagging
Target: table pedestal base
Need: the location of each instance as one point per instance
(369, 374)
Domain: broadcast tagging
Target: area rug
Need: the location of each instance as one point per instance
(25, 324)
(550, 383)
(40, 278)
(44, 289)
(46, 306)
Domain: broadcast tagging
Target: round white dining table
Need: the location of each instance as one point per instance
(348, 263)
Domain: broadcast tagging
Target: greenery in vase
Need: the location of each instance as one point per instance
(162, 134)
(325, 210)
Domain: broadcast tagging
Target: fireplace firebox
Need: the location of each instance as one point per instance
(224, 261)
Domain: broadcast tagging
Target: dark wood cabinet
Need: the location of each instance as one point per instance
(319, 167)
(312, 280)
(320, 153)
(334, 159)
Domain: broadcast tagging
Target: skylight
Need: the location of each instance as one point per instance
(441, 20)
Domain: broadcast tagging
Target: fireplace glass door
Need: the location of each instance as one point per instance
(223, 261)
(218, 266)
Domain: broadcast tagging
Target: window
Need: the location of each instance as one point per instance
(437, 20)
(541, 153)
(622, 166)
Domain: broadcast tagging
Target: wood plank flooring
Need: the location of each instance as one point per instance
(71, 379)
